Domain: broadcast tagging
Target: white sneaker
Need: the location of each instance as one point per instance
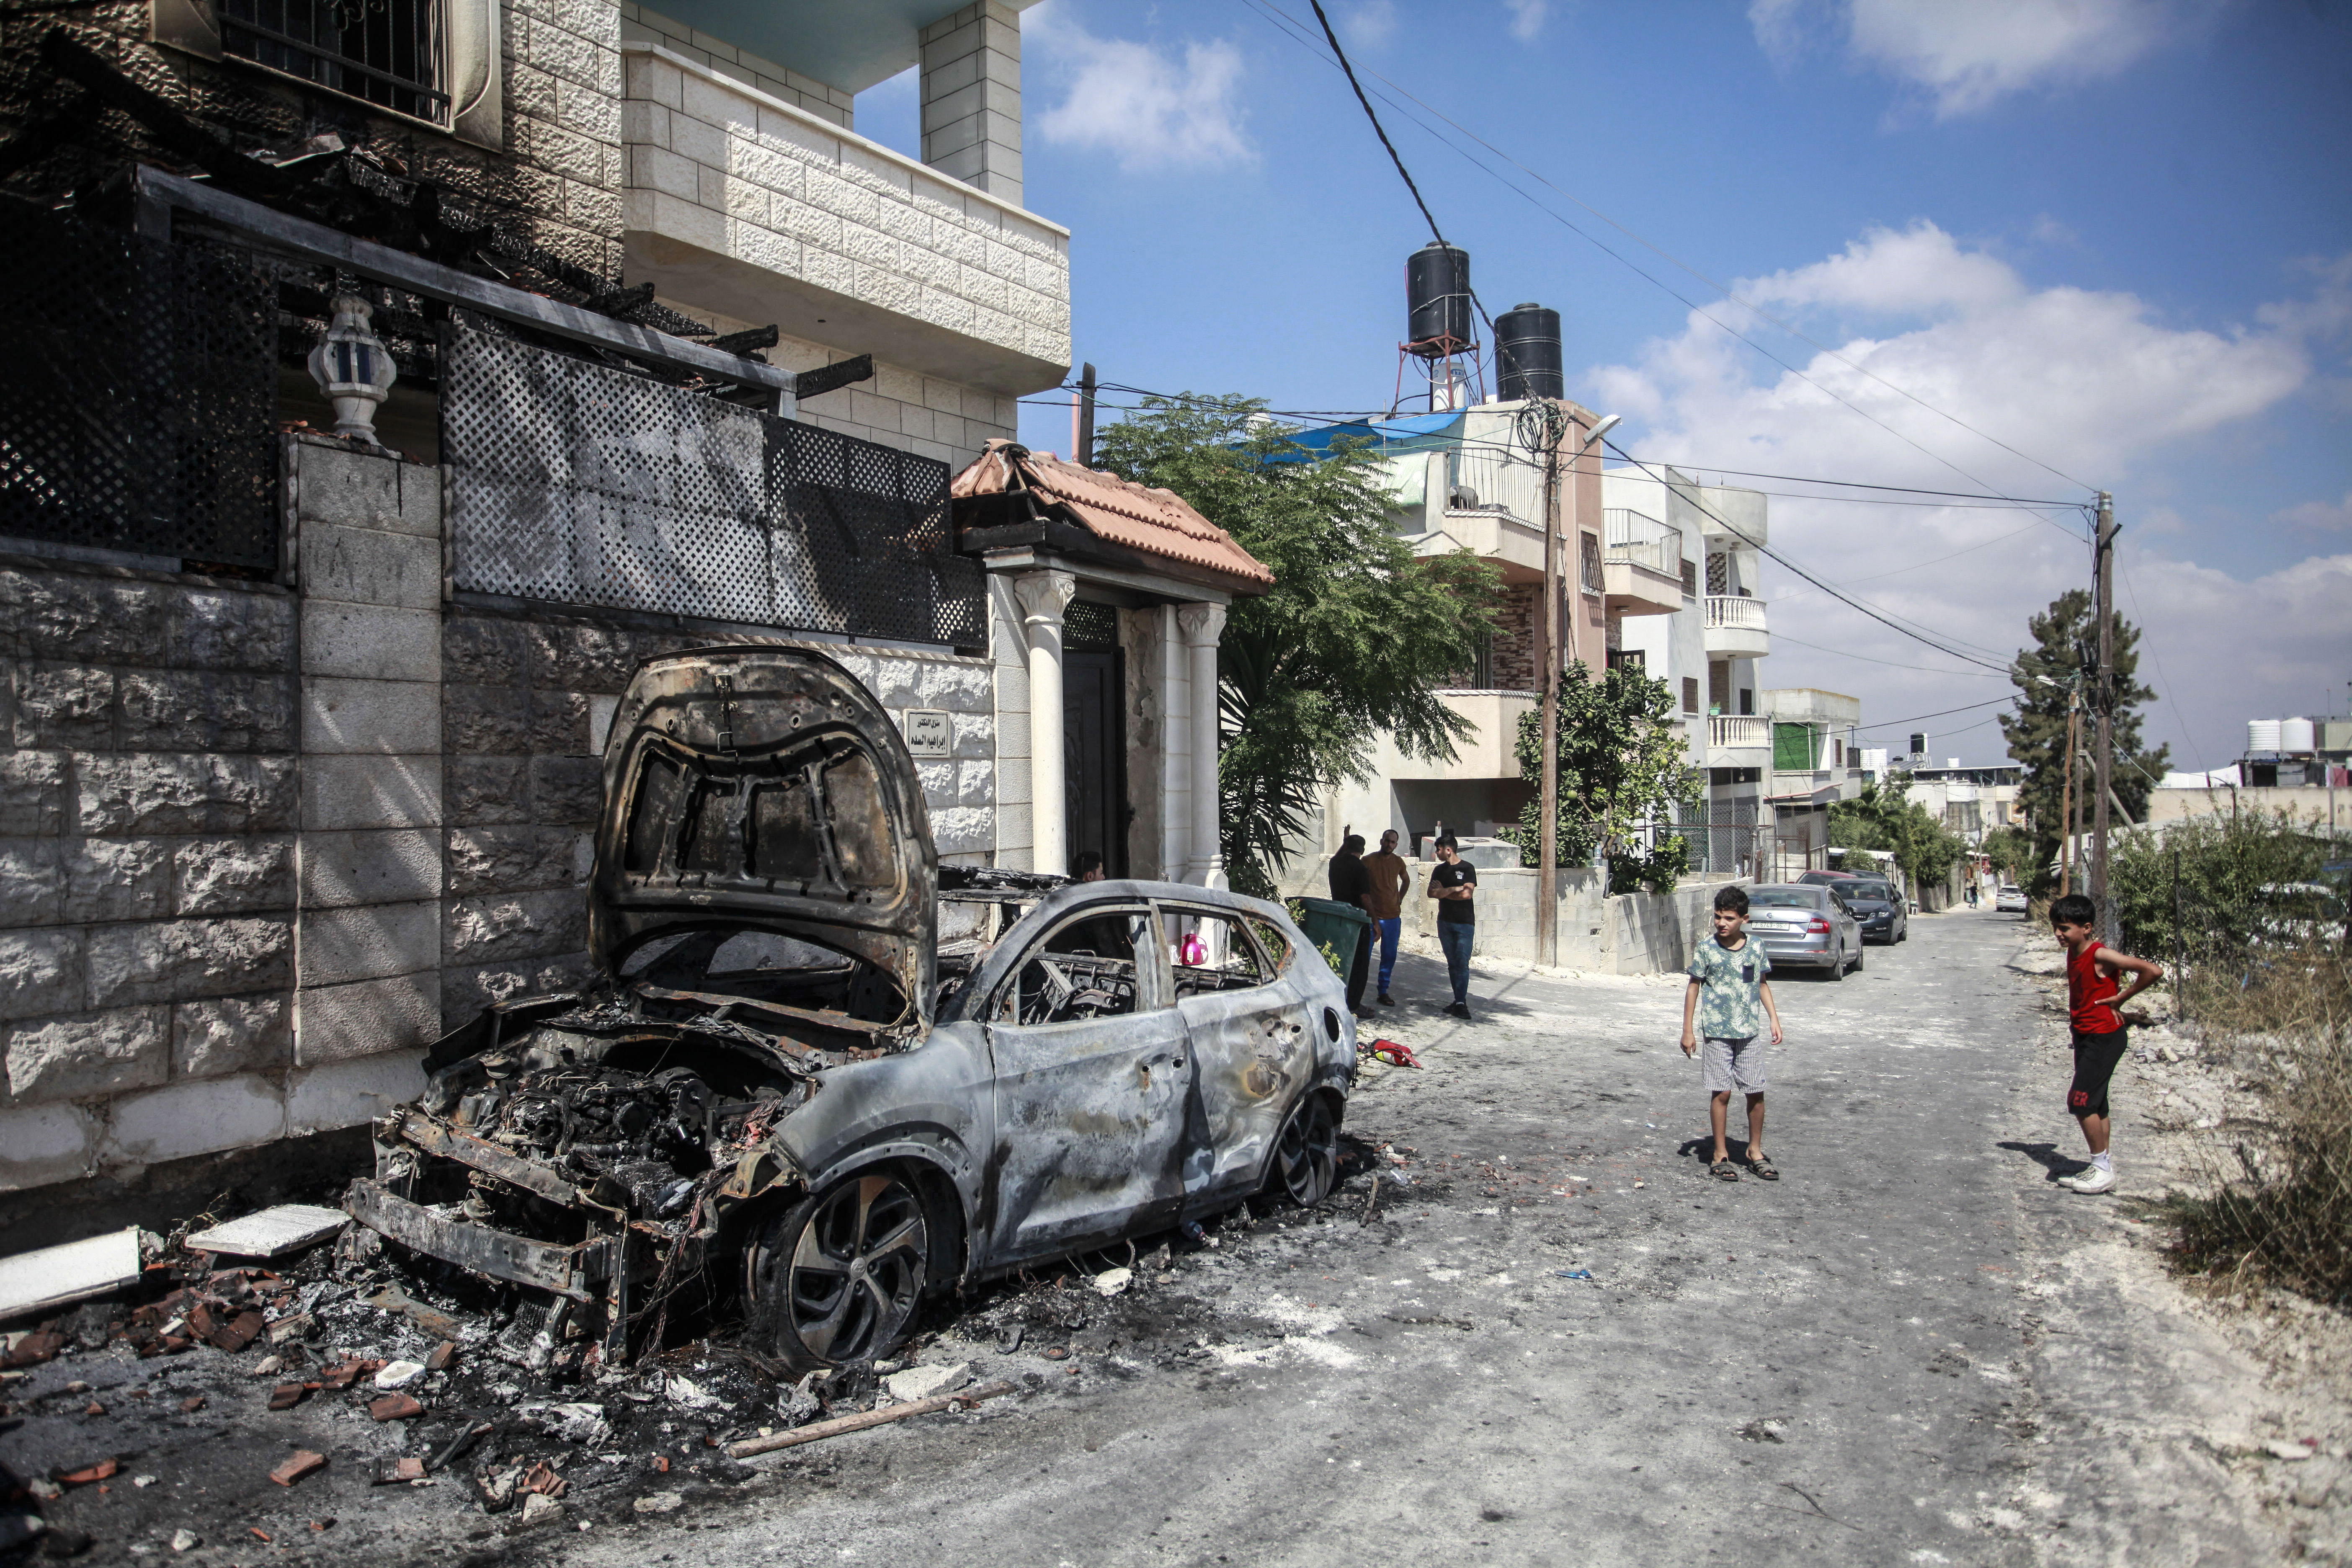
(2094, 1180)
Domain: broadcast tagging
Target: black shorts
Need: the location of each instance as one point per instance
(2095, 1057)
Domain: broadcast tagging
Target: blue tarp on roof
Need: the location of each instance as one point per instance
(1412, 433)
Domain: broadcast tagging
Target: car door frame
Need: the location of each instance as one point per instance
(1076, 1096)
(1255, 1051)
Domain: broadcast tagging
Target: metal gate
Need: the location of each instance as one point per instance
(578, 484)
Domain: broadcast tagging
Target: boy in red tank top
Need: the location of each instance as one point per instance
(2095, 999)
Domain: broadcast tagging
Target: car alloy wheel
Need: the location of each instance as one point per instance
(1837, 962)
(1307, 1154)
(836, 1278)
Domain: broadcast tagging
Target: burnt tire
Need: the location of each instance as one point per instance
(1306, 1154)
(837, 1276)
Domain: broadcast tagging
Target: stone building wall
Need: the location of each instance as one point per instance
(261, 844)
(1518, 623)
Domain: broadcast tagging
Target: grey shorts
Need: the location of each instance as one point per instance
(1725, 1065)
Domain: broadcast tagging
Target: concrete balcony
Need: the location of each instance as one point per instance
(1641, 564)
(1485, 754)
(1735, 629)
(1495, 537)
(743, 204)
(1738, 741)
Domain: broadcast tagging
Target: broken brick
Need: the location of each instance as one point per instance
(191, 1405)
(87, 1474)
(390, 1472)
(256, 1532)
(299, 1463)
(322, 1524)
(34, 1349)
(541, 1478)
(237, 1333)
(287, 1396)
(351, 1372)
(443, 1354)
(93, 1408)
(395, 1407)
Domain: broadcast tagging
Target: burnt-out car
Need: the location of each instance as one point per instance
(821, 1075)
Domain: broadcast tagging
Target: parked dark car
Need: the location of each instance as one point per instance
(1884, 912)
(1805, 925)
(821, 1075)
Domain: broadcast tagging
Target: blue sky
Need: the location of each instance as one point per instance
(2115, 234)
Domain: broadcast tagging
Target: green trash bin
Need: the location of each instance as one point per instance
(1335, 927)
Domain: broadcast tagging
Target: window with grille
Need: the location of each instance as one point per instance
(1690, 693)
(1588, 553)
(1690, 577)
(388, 52)
(1634, 658)
(1718, 574)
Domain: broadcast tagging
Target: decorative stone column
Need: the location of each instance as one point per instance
(1044, 596)
(1202, 625)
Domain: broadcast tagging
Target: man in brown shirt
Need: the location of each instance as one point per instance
(1392, 880)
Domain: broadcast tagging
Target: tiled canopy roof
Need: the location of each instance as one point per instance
(1156, 522)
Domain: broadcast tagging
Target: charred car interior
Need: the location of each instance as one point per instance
(821, 1075)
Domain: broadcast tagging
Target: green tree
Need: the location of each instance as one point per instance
(1883, 817)
(1623, 767)
(1351, 644)
(2010, 850)
(2064, 652)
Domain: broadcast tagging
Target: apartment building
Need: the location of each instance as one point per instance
(1708, 647)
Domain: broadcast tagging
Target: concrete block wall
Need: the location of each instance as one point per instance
(148, 807)
(725, 169)
(972, 96)
(642, 26)
(564, 165)
(1622, 933)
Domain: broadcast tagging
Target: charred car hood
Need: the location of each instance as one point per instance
(764, 787)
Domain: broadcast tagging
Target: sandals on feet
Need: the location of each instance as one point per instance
(1763, 1169)
(1723, 1171)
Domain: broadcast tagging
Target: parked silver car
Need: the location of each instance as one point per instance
(2011, 900)
(1805, 925)
(822, 1074)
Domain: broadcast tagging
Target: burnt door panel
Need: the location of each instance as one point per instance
(1251, 1051)
(1094, 758)
(1091, 1078)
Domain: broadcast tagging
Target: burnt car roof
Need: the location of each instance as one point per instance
(759, 785)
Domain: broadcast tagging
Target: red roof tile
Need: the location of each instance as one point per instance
(1154, 521)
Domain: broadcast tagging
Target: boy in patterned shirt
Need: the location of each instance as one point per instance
(1730, 1002)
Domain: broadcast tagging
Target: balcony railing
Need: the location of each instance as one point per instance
(1733, 612)
(1738, 732)
(1505, 482)
(1642, 541)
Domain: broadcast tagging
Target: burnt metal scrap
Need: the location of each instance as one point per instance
(822, 1076)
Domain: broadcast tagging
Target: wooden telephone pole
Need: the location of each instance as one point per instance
(2103, 698)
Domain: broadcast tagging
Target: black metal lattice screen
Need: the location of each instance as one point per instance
(578, 484)
(138, 395)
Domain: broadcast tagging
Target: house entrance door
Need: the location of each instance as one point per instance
(1093, 757)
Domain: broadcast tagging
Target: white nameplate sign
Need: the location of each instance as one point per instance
(930, 732)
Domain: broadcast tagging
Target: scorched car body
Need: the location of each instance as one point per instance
(788, 1082)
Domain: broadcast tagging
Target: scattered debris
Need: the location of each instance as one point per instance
(658, 1503)
(1393, 1052)
(272, 1232)
(300, 1463)
(1111, 1281)
(390, 1472)
(395, 1407)
(1576, 1274)
(399, 1373)
(287, 1396)
(52, 1277)
(1766, 1430)
(2285, 1450)
(822, 1429)
(925, 1382)
(185, 1540)
(538, 1507)
(87, 1475)
(443, 1354)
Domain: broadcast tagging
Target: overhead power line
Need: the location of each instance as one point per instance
(1291, 28)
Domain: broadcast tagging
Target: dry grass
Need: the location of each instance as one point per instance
(2273, 1206)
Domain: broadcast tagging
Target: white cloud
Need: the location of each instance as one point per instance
(1369, 25)
(2092, 381)
(2320, 516)
(1967, 54)
(1527, 17)
(1150, 106)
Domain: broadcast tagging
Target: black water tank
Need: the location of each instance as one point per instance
(1527, 353)
(1437, 299)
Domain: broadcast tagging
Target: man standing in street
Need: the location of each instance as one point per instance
(1351, 884)
(1392, 881)
(1453, 882)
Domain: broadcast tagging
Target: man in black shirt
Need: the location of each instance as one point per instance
(1352, 884)
(1453, 883)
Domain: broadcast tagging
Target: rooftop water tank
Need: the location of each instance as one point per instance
(1437, 301)
(2297, 735)
(1527, 353)
(2262, 735)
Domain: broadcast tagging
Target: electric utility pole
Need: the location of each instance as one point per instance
(2102, 757)
(1542, 424)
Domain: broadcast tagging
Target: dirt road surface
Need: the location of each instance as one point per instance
(1911, 1349)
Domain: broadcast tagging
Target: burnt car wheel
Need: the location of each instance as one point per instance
(1306, 1155)
(836, 1278)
